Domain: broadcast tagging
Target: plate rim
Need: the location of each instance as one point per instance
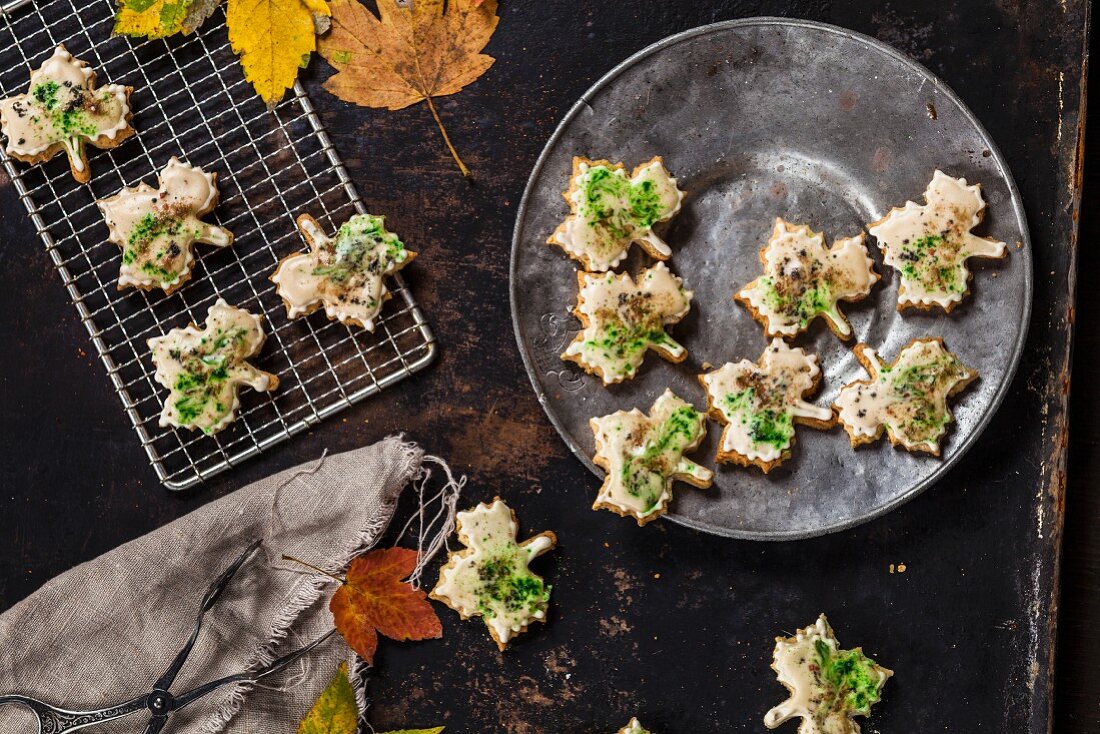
(965, 444)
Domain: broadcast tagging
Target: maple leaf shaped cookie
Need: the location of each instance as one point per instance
(644, 454)
(205, 368)
(762, 402)
(157, 227)
(907, 400)
(490, 578)
(624, 319)
(929, 244)
(828, 685)
(803, 280)
(344, 274)
(610, 211)
(634, 727)
(64, 111)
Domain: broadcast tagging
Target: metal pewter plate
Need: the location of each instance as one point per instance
(761, 118)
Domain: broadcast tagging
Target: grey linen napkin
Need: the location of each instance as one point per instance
(106, 630)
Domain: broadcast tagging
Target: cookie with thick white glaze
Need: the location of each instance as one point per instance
(610, 210)
(62, 112)
(761, 403)
(205, 368)
(803, 280)
(907, 400)
(158, 227)
(491, 577)
(623, 319)
(344, 274)
(828, 685)
(929, 244)
(643, 454)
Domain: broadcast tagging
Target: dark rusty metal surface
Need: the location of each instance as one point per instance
(662, 621)
(758, 119)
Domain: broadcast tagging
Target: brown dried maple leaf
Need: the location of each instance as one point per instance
(410, 52)
(373, 599)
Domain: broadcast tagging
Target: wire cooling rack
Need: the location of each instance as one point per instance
(190, 100)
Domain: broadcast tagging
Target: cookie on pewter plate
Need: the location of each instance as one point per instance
(928, 244)
(63, 112)
(803, 279)
(907, 400)
(643, 455)
(490, 578)
(158, 227)
(610, 211)
(762, 402)
(623, 319)
(344, 274)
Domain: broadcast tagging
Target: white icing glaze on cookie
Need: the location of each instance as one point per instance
(761, 402)
(907, 399)
(928, 244)
(204, 368)
(634, 727)
(803, 280)
(344, 274)
(644, 454)
(157, 227)
(63, 107)
(610, 211)
(491, 578)
(828, 686)
(623, 320)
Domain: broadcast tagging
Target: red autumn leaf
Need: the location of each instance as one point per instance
(374, 599)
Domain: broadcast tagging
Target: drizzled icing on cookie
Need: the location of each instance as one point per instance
(761, 402)
(907, 399)
(205, 368)
(491, 578)
(611, 210)
(929, 244)
(828, 685)
(157, 227)
(624, 319)
(344, 274)
(644, 454)
(803, 280)
(63, 107)
(634, 727)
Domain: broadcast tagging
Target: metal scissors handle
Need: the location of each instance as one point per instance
(159, 702)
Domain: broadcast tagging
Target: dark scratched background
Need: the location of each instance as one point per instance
(663, 622)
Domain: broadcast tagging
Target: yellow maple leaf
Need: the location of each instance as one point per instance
(161, 18)
(408, 53)
(273, 38)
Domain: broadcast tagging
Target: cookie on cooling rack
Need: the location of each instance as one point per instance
(643, 455)
(762, 402)
(907, 399)
(205, 368)
(344, 274)
(62, 112)
(803, 279)
(490, 578)
(928, 244)
(624, 318)
(157, 227)
(610, 211)
(828, 685)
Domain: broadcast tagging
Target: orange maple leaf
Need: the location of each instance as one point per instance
(410, 52)
(374, 599)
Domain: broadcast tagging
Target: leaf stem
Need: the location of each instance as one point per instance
(321, 571)
(446, 138)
